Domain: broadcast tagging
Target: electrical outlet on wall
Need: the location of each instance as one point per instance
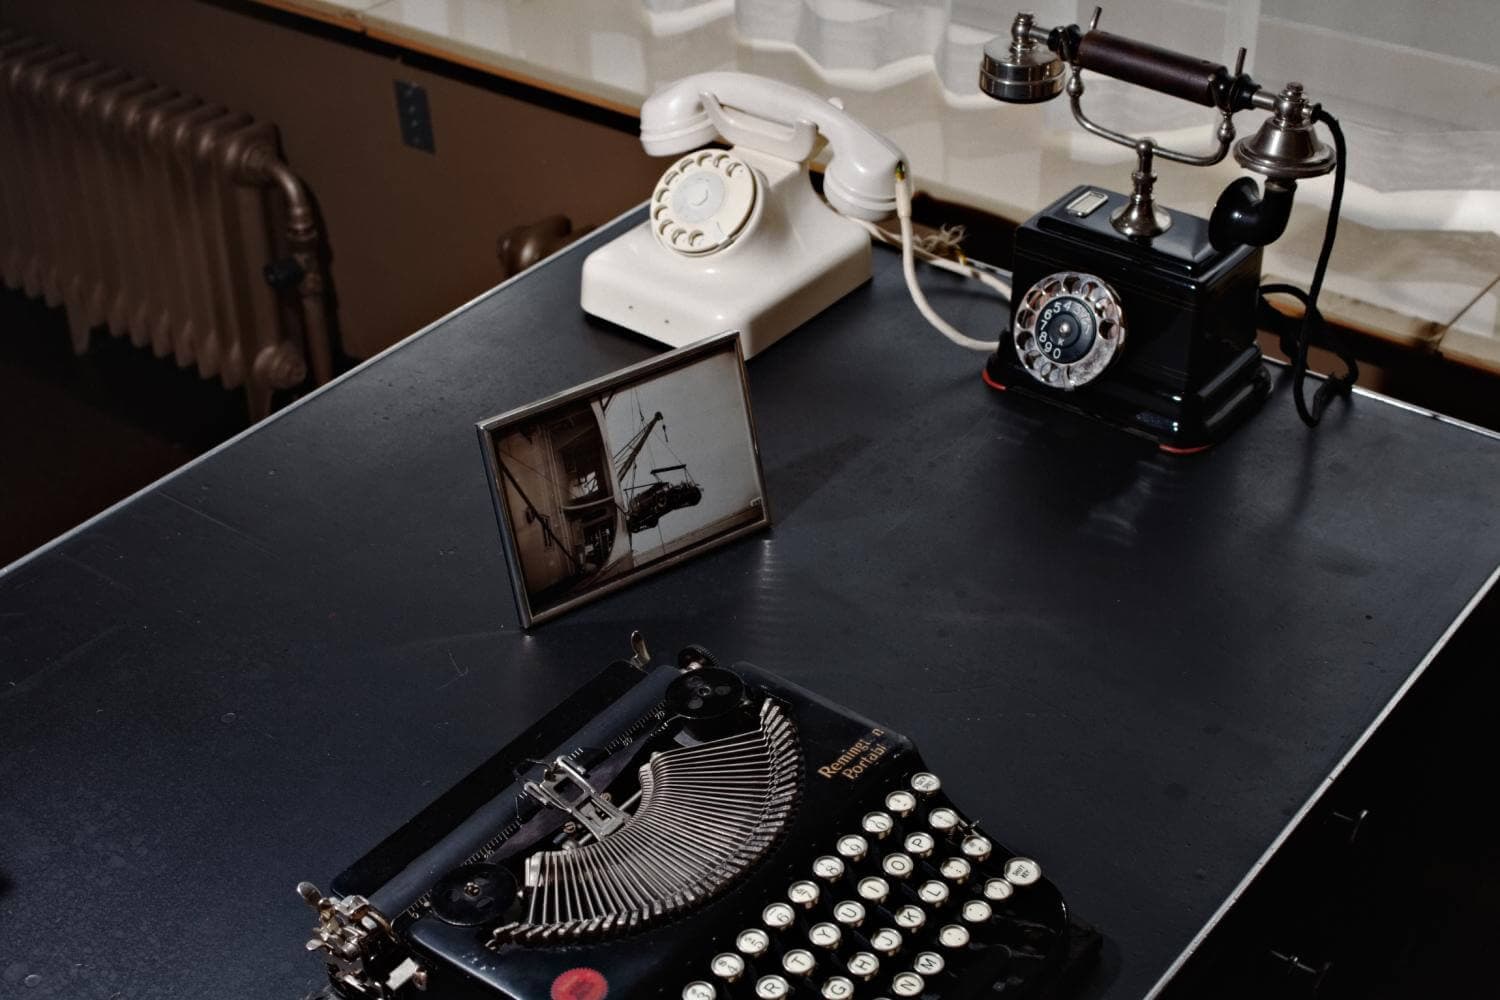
(414, 116)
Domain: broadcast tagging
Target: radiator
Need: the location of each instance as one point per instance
(163, 218)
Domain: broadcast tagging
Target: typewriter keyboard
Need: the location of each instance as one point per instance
(912, 901)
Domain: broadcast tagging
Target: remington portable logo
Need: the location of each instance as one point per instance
(857, 757)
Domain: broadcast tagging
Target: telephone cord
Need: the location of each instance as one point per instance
(1312, 320)
(909, 269)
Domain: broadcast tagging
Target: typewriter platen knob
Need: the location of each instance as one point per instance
(1068, 328)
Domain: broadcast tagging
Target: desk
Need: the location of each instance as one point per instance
(1140, 669)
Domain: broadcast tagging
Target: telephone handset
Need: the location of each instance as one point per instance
(785, 121)
(738, 238)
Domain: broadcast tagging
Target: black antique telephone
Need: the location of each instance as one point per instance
(1096, 268)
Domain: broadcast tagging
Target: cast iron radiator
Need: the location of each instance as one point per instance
(161, 217)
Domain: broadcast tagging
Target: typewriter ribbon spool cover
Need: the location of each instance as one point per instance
(696, 832)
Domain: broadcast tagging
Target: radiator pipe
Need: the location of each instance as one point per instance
(305, 243)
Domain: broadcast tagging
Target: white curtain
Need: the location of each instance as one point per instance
(1414, 84)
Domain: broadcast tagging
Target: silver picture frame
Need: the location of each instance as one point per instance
(566, 473)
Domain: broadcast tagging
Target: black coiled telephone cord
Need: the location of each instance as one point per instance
(1295, 341)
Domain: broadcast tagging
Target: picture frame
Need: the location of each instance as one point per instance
(624, 476)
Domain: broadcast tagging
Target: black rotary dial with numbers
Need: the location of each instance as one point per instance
(1066, 329)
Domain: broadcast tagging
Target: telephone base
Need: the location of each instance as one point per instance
(795, 258)
(1179, 424)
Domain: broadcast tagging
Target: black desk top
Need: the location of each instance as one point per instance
(1138, 668)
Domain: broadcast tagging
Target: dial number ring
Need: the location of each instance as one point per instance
(1068, 328)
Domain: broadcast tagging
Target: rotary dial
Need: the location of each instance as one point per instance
(1068, 327)
(702, 202)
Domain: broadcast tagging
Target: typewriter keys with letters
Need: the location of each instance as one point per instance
(702, 833)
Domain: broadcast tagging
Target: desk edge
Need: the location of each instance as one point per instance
(1322, 789)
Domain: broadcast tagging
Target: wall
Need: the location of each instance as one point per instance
(413, 234)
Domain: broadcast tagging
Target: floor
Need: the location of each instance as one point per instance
(79, 433)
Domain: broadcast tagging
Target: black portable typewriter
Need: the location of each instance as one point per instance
(702, 833)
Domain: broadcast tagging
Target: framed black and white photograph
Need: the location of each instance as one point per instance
(624, 476)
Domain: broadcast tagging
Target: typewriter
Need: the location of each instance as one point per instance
(703, 833)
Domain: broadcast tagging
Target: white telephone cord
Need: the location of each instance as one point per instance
(909, 253)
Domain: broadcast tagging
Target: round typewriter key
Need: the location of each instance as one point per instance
(907, 984)
(956, 870)
(863, 964)
(942, 819)
(901, 802)
(828, 868)
(925, 783)
(977, 911)
(727, 966)
(804, 893)
(799, 962)
(777, 916)
(838, 988)
(897, 865)
(887, 941)
(1022, 871)
(953, 936)
(772, 988)
(825, 935)
(874, 889)
(853, 847)
(878, 824)
(849, 913)
(933, 893)
(977, 847)
(920, 844)
(911, 917)
(699, 991)
(755, 942)
(929, 963)
(997, 889)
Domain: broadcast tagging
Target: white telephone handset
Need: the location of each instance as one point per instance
(738, 239)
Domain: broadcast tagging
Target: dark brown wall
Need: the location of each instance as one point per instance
(413, 233)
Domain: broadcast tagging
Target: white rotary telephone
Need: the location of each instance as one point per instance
(739, 239)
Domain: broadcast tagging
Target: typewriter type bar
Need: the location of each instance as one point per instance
(703, 833)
